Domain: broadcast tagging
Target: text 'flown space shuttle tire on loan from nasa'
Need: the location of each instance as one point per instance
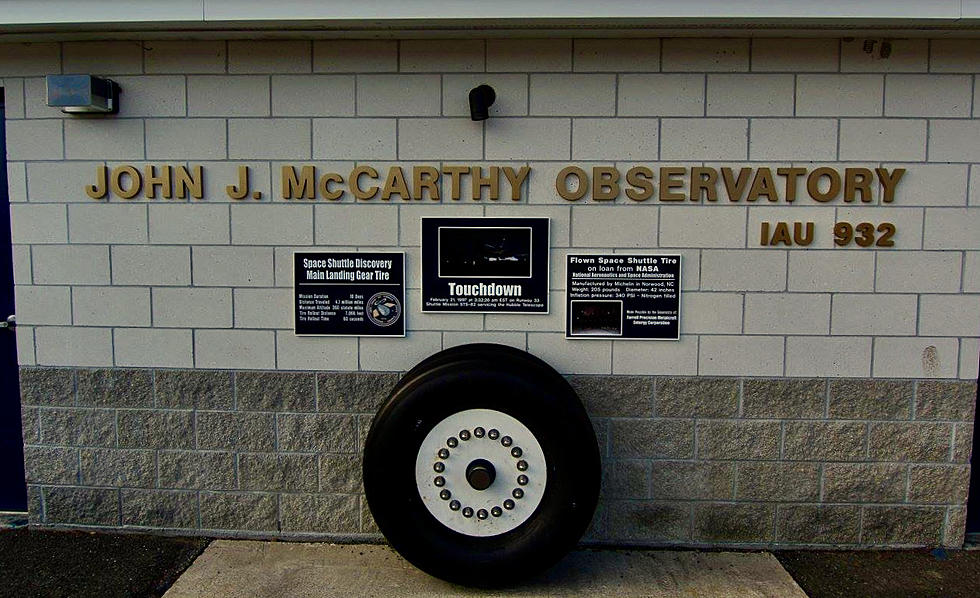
(482, 468)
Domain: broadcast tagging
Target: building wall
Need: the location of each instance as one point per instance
(817, 396)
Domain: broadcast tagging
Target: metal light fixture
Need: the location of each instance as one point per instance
(481, 98)
(83, 94)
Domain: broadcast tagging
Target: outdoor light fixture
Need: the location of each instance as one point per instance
(481, 98)
(83, 94)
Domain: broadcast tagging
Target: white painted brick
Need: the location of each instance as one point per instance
(221, 174)
(711, 313)
(13, 97)
(269, 56)
(571, 356)
(610, 55)
(931, 184)
(952, 228)
(59, 181)
(149, 347)
(541, 182)
(84, 347)
(26, 59)
(841, 357)
(703, 139)
(518, 340)
(440, 139)
(918, 272)
(227, 95)
(315, 353)
(740, 356)
(235, 349)
(907, 221)
(381, 354)
(271, 224)
(974, 190)
(617, 226)
(264, 308)
(690, 264)
(22, 264)
(573, 95)
(107, 223)
(822, 218)
(709, 55)
(34, 140)
(790, 54)
(615, 139)
(869, 314)
(559, 223)
(750, 95)
(969, 349)
(949, 315)
(233, 266)
(919, 357)
(954, 56)
(336, 225)
(839, 95)
(705, 226)
(811, 139)
(787, 313)
(190, 223)
(661, 95)
(42, 305)
(675, 358)
(313, 95)
(111, 306)
(182, 139)
(25, 346)
(152, 96)
(192, 308)
(907, 56)
(436, 321)
(103, 57)
(16, 182)
(743, 270)
(883, 140)
(104, 139)
(358, 138)
(269, 139)
(528, 139)
(441, 55)
(954, 140)
(530, 55)
(511, 94)
(398, 95)
(355, 56)
(971, 272)
(825, 271)
(184, 56)
(928, 95)
(554, 321)
(71, 264)
(41, 223)
(142, 265)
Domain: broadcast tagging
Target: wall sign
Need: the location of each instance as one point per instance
(485, 265)
(349, 294)
(623, 296)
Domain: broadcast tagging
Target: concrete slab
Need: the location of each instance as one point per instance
(233, 569)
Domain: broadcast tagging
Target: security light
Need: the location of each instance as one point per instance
(83, 94)
(481, 98)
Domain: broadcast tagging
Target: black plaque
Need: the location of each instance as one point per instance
(349, 294)
(623, 296)
(485, 265)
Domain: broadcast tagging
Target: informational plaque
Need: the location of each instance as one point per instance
(349, 294)
(485, 265)
(623, 296)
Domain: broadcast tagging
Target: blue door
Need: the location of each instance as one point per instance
(13, 488)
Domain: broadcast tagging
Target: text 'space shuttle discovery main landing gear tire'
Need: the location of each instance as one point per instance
(482, 468)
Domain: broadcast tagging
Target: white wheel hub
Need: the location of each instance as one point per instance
(451, 466)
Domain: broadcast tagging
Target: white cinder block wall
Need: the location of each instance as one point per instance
(206, 284)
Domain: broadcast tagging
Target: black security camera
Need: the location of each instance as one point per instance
(481, 98)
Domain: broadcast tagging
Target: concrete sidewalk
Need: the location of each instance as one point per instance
(233, 569)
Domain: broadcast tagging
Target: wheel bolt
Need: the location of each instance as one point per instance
(516, 452)
(443, 453)
(464, 434)
(493, 434)
(479, 432)
(440, 467)
(506, 441)
(496, 512)
(454, 505)
(481, 514)
(439, 481)
(517, 493)
(452, 442)
(467, 512)
(508, 504)
(522, 480)
(445, 494)
(521, 465)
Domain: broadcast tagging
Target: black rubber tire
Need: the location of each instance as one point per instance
(482, 377)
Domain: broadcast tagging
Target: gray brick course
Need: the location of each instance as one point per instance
(290, 473)
(733, 522)
(902, 525)
(117, 468)
(243, 431)
(203, 470)
(252, 511)
(648, 521)
(733, 439)
(784, 399)
(81, 506)
(652, 438)
(697, 397)
(943, 400)
(824, 441)
(47, 386)
(201, 389)
(910, 442)
(864, 482)
(353, 393)
(275, 391)
(159, 508)
(768, 481)
(330, 513)
(316, 433)
(615, 396)
(145, 428)
(115, 388)
(818, 524)
(78, 427)
(871, 399)
(626, 479)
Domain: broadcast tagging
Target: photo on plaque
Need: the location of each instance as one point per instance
(484, 252)
(597, 317)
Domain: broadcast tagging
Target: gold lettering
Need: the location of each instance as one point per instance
(857, 179)
(765, 234)
(668, 182)
(561, 183)
(395, 184)
(516, 180)
(889, 182)
(190, 182)
(781, 235)
(735, 187)
(798, 237)
(100, 188)
(302, 187)
(605, 183)
(425, 178)
(491, 182)
(791, 175)
(813, 184)
(762, 184)
(354, 182)
(641, 178)
(324, 186)
(241, 190)
(121, 173)
(455, 173)
(704, 179)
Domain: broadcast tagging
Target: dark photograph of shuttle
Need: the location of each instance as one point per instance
(484, 252)
(597, 318)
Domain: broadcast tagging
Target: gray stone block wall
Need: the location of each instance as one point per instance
(686, 460)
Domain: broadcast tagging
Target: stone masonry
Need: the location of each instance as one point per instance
(818, 396)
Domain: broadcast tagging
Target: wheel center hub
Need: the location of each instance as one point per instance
(480, 473)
